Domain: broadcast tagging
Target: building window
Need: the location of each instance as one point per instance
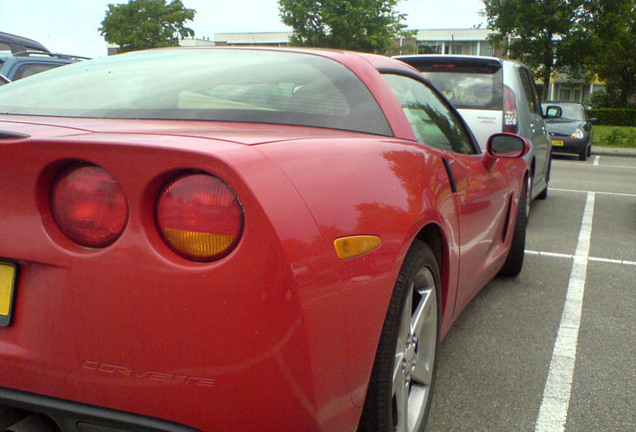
(486, 49)
(430, 48)
(564, 94)
(464, 48)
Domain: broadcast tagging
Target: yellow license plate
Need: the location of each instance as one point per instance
(7, 292)
(557, 143)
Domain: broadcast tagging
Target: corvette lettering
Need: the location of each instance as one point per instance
(150, 375)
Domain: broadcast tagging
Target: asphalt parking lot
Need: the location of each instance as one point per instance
(554, 349)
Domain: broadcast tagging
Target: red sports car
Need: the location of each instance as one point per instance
(240, 240)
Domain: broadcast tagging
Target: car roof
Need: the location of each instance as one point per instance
(19, 41)
(376, 60)
(40, 57)
(450, 57)
(457, 57)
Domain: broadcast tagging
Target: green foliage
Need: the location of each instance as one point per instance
(529, 30)
(612, 49)
(360, 25)
(614, 136)
(143, 24)
(583, 38)
(614, 116)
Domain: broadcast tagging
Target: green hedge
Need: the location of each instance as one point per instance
(614, 136)
(614, 116)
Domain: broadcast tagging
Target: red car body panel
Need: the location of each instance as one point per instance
(278, 335)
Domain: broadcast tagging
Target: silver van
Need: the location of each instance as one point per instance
(494, 95)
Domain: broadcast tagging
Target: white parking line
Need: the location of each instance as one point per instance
(596, 159)
(613, 261)
(558, 387)
(595, 192)
(570, 256)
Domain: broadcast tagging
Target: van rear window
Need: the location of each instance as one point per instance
(467, 85)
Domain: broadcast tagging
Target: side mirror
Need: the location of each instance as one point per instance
(553, 111)
(506, 146)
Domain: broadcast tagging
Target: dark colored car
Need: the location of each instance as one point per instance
(14, 44)
(27, 63)
(570, 128)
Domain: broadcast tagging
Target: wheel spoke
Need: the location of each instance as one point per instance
(426, 310)
(417, 400)
(405, 322)
(399, 378)
(402, 405)
(423, 372)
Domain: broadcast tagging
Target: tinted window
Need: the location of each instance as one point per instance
(471, 85)
(530, 91)
(433, 122)
(204, 84)
(32, 69)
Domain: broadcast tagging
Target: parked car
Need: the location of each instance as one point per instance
(570, 128)
(189, 245)
(494, 95)
(24, 64)
(14, 44)
(4, 80)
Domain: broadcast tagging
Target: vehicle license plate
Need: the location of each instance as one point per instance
(7, 292)
(557, 143)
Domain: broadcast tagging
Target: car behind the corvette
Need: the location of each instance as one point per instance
(240, 239)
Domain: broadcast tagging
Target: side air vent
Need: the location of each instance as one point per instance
(12, 135)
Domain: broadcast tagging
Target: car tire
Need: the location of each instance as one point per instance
(514, 260)
(403, 375)
(583, 155)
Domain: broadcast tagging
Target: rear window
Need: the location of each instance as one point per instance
(203, 84)
(470, 85)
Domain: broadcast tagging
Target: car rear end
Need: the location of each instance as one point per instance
(474, 85)
(121, 311)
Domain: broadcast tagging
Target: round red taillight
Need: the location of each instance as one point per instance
(199, 217)
(89, 206)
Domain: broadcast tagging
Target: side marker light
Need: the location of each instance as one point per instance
(352, 246)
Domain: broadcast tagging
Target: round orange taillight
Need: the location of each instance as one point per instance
(89, 206)
(199, 217)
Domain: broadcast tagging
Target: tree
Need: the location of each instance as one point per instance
(546, 35)
(143, 24)
(612, 28)
(360, 25)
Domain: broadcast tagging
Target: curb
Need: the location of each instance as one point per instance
(613, 151)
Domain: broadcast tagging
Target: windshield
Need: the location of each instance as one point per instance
(203, 84)
(575, 112)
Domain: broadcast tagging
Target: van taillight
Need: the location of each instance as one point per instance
(89, 206)
(510, 117)
(199, 217)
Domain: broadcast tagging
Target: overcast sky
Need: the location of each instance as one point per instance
(70, 26)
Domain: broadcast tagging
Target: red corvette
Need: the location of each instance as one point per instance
(240, 240)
